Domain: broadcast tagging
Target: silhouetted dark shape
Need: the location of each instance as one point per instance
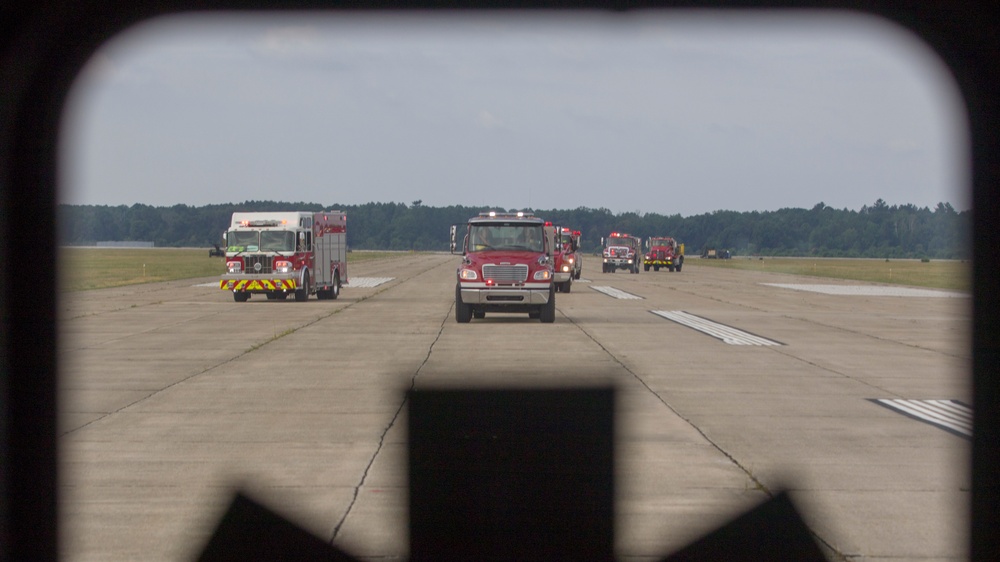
(513, 475)
(773, 531)
(250, 531)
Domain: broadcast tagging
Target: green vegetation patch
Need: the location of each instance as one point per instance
(82, 269)
(939, 274)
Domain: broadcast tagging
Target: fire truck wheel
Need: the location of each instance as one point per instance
(670, 268)
(302, 294)
(335, 290)
(270, 295)
(548, 312)
(479, 314)
(240, 296)
(463, 312)
(679, 267)
(646, 267)
(567, 286)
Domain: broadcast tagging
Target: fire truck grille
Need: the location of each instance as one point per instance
(256, 264)
(506, 273)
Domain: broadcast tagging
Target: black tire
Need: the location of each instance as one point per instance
(568, 285)
(548, 312)
(281, 296)
(646, 267)
(679, 264)
(302, 295)
(670, 268)
(270, 295)
(463, 312)
(240, 296)
(332, 292)
(656, 268)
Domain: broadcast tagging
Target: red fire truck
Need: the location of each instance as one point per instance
(663, 251)
(621, 251)
(506, 267)
(566, 260)
(280, 253)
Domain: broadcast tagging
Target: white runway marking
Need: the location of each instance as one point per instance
(582, 280)
(949, 415)
(869, 290)
(366, 282)
(729, 335)
(212, 284)
(616, 293)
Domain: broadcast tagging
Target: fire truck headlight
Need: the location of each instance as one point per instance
(565, 268)
(630, 261)
(543, 275)
(468, 275)
(234, 266)
(282, 266)
(570, 260)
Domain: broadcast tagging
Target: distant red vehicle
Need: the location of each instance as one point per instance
(663, 251)
(566, 257)
(621, 251)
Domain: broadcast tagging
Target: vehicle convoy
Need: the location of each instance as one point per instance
(280, 253)
(506, 267)
(621, 251)
(565, 257)
(663, 251)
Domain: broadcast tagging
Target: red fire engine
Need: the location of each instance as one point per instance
(621, 251)
(566, 260)
(663, 251)
(507, 267)
(282, 253)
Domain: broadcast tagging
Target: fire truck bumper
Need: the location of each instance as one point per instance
(618, 262)
(258, 284)
(530, 294)
(562, 276)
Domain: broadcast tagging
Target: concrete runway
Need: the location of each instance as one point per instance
(173, 396)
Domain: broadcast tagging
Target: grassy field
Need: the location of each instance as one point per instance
(939, 274)
(99, 268)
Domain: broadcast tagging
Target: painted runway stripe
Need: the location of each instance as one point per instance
(870, 290)
(367, 282)
(728, 334)
(950, 415)
(616, 293)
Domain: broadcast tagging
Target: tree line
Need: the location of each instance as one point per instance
(877, 231)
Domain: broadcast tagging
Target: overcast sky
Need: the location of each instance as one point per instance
(672, 112)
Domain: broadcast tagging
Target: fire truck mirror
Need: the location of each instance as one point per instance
(453, 239)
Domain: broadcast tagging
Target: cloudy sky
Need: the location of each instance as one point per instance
(665, 112)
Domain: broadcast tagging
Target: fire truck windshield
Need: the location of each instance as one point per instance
(526, 237)
(277, 241)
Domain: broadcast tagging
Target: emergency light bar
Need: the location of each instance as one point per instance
(494, 214)
(262, 222)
